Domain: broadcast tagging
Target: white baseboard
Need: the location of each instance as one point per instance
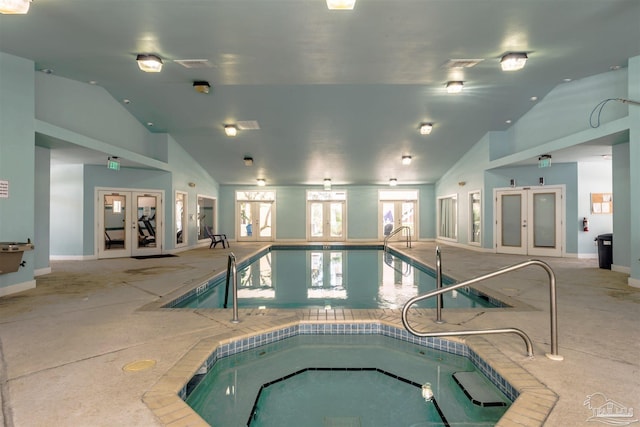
(621, 269)
(42, 271)
(72, 257)
(18, 287)
(587, 256)
(633, 282)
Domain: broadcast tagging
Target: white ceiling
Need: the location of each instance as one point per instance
(337, 94)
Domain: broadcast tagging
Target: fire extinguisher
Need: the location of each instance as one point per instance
(585, 224)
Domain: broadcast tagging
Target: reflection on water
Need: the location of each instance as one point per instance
(354, 278)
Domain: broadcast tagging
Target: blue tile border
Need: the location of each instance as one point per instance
(447, 346)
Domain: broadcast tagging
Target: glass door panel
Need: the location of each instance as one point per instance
(114, 224)
(316, 220)
(326, 220)
(181, 218)
(335, 220)
(512, 221)
(529, 221)
(397, 214)
(264, 223)
(245, 220)
(255, 221)
(129, 223)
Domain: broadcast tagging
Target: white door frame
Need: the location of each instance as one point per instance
(130, 244)
(326, 220)
(527, 225)
(255, 221)
(398, 219)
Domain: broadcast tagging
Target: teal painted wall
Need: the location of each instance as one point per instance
(634, 173)
(621, 206)
(67, 210)
(42, 208)
(17, 151)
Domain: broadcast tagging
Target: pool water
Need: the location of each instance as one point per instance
(341, 380)
(359, 278)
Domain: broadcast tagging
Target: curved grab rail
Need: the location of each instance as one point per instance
(396, 231)
(232, 269)
(552, 297)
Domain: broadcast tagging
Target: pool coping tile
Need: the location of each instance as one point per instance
(530, 408)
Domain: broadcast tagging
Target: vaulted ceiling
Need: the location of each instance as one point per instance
(336, 94)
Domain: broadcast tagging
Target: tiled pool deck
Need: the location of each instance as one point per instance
(63, 345)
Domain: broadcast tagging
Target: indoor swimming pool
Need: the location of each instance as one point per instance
(321, 276)
(347, 375)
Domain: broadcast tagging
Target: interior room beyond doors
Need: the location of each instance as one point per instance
(129, 223)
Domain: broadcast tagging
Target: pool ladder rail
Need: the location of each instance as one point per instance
(396, 231)
(440, 290)
(232, 270)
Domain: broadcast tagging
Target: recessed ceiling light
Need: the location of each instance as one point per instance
(567, 80)
(454, 86)
(426, 128)
(508, 121)
(47, 70)
(150, 124)
(406, 160)
(14, 7)
(393, 182)
(230, 130)
(261, 182)
(513, 61)
(534, 98)
(201, 86)
(149, 63)
(126, 101)
(93, 82)
(248, 160)
(341, 4)
(614, 67)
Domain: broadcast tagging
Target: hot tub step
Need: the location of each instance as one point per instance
(478, 389)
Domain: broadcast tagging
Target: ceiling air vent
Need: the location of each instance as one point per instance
(248, 125)
(194, 63)
(462, 63)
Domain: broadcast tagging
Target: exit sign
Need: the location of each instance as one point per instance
(113, 164)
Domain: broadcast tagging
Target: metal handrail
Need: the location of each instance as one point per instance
(439, 300)
(232, 269)
(388, 260)
(396, 231)
(553, 309)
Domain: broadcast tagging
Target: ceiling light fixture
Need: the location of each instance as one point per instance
(14, 7)
(149, 63)
(341, 4)
(261, 182)
(230, 130)
(248, 161)
(426, 128)
(201, 86)
(454, 86)
(406, 160)
(393, 182)
(327, 184)
(513, 61)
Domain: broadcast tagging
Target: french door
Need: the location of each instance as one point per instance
(396, 214)
(326, 220)
(255, 221)
(129, 223)
(529, 221)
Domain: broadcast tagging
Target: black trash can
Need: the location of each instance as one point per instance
(605, 250)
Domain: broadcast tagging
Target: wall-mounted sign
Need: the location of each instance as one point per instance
(4, 189)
